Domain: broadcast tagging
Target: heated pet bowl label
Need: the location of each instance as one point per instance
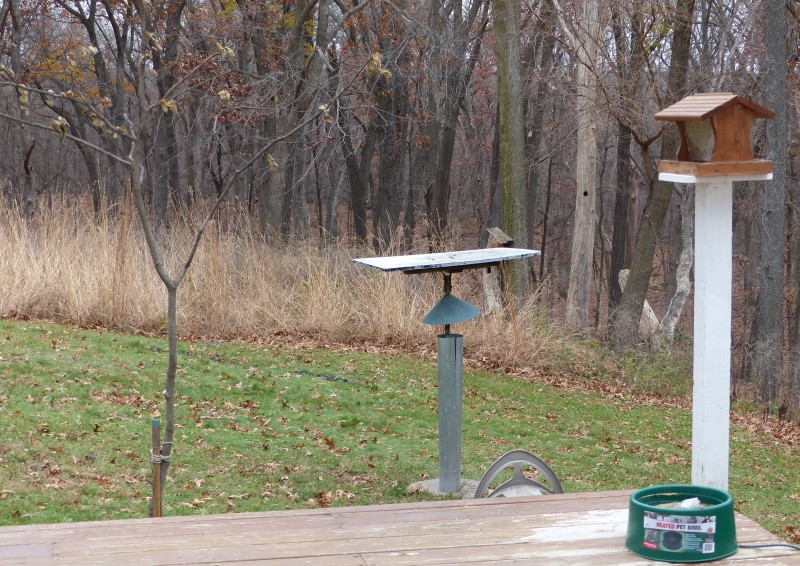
(679, 533)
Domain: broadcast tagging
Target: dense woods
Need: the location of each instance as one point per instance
(415, 126)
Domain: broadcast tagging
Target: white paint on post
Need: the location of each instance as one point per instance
(712, 332)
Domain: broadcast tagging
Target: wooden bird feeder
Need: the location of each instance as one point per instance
(714, 130)
(713, 153)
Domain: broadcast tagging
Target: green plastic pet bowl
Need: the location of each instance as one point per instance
(660, 529)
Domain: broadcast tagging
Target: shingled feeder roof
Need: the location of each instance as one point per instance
(702, 106)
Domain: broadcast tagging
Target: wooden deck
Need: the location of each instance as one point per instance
(584, 528)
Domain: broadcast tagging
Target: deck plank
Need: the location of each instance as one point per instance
(564, 529)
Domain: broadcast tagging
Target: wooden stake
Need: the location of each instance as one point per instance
(156, 460)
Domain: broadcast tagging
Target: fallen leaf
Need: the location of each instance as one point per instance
(325, 498)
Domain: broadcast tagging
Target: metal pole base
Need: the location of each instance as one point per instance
(451, 368)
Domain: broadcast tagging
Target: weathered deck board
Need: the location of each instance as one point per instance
(563, 529)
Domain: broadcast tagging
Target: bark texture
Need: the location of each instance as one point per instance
(767, 339)
(513, 200)
(580, 275)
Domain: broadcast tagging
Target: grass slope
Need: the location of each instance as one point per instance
(276, 427)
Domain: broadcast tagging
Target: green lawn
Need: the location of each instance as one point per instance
(277, 427)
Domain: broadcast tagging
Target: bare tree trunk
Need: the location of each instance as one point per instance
(649, 328)
(28, 188)
(332, 206)
(165, 144)
(623, 320)
(296, 94)
(298, 199)
(580, 275)
(169, 388)
(793, 268)
(412, 198)
(24, 176)
(619, 234)
(192, 182)
(672, 251)
(751, 244)
(546, 217)
(161, 186)
(494, 180)
(533, 140)
(685, 258)
(444, 109)
(393, 106)
(628, 72)
(794, 291)
(513, 199)
(767, 339)
(358, 170)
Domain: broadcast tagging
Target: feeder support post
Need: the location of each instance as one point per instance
(712, 333)
(448, 288)
(450, 364)
(713, 274)
(451, 376)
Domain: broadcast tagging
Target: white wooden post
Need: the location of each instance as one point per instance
(713, 237)
(713, 241)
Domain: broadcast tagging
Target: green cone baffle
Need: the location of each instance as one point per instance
(450, 310)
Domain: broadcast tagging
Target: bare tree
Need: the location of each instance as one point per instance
(132, 155)
(513, 198)
(26, 190)
(623, 322)
(460, 32)
(767, 338)
(580, 278)
(629, 45)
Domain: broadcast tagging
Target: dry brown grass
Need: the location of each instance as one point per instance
(66, 266)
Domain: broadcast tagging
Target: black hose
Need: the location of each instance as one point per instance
(770, 545)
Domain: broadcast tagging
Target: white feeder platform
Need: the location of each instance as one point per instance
(694, 179)
(446, 261)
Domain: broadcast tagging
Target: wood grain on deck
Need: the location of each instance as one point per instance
(583, 528)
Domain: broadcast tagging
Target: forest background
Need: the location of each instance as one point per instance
(257, 138)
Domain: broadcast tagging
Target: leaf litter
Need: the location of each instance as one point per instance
(343, 437)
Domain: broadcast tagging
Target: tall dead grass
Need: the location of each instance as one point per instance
(69, 267)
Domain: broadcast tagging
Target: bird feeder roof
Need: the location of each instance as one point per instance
(702, 106)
